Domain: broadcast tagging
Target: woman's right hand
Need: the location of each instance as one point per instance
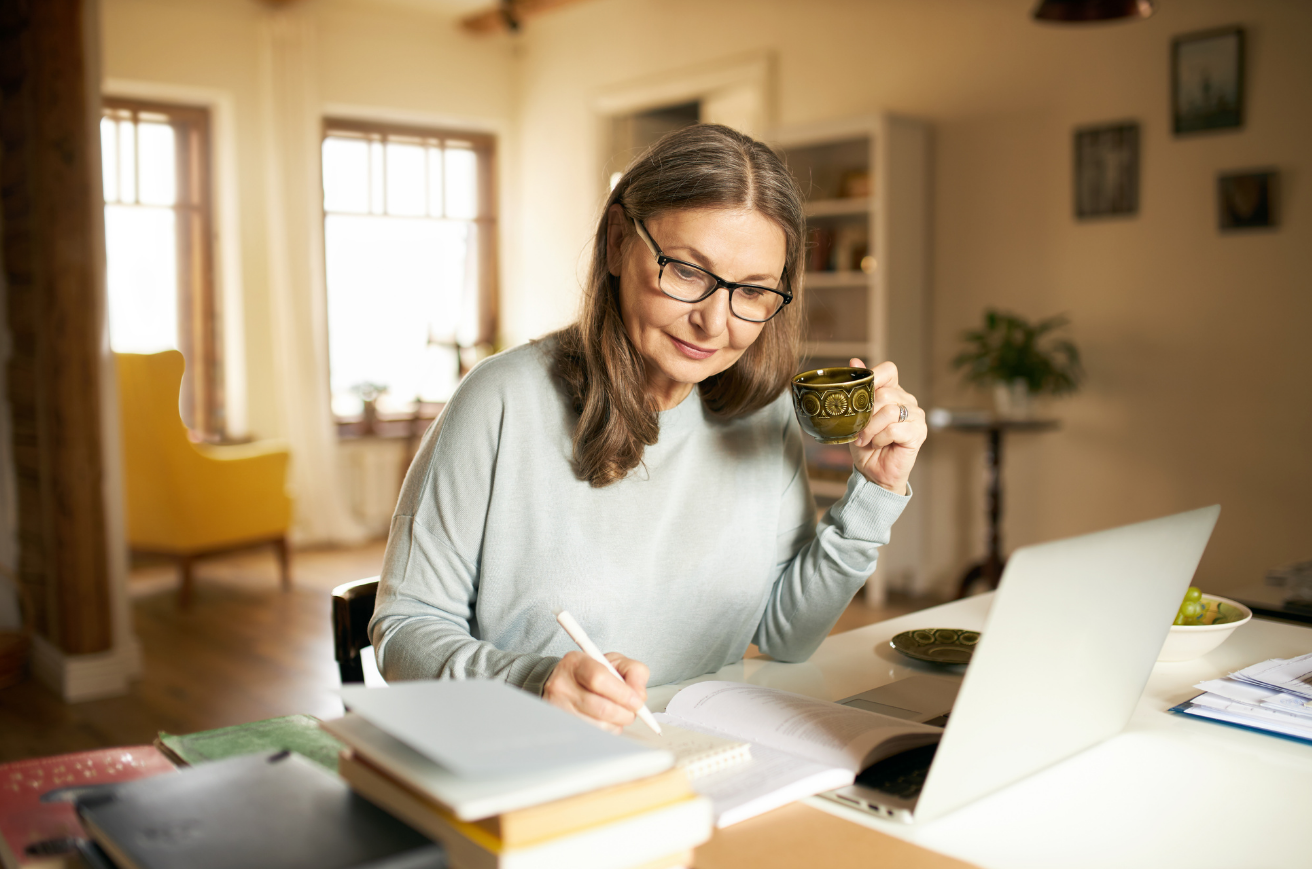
(586, 688)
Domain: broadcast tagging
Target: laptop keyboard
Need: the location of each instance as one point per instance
(902, 775)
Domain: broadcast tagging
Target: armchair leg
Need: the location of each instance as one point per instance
(185, 564)
(284, 562)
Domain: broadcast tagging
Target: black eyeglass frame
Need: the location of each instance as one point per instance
(662, 260)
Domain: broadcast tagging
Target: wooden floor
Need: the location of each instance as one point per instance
(244, 651)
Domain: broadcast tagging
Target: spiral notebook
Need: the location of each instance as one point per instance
(695, 753)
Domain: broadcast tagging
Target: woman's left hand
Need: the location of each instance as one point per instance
(886, 449)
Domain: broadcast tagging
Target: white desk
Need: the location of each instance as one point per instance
(1170, 790)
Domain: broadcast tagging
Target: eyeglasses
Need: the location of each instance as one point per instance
(691, 283)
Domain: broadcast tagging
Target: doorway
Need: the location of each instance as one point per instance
(633, 133)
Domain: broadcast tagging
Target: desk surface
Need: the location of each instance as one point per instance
(1133, 800)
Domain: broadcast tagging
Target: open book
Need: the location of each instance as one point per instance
(800, 746)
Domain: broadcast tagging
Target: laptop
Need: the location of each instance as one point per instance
(1074, 630)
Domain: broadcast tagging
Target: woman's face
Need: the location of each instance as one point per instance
(685, 343)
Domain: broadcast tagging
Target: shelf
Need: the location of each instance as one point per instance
(854, 207)
(821, 280)
(869, 316)
(836, 349)
(831, 489)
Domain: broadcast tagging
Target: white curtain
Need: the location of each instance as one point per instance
(294, 215)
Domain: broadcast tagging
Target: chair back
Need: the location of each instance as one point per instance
(155, 442)
(353, 607)
(183, 498)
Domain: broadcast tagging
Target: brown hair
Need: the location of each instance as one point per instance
(702, 166)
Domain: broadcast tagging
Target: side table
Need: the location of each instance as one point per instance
(990, 569)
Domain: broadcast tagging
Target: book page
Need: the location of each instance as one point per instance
(767, 780)
(820, 731)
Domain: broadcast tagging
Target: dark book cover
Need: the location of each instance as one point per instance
(274, 811)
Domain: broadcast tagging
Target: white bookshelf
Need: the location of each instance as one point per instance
(870, 300)
(860, 205)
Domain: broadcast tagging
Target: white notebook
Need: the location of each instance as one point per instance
(695, 752)
(478, 728)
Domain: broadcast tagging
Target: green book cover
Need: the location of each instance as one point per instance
(299, 733)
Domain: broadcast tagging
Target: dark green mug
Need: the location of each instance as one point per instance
(833, 404)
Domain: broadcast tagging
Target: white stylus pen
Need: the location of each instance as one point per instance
(575, 631)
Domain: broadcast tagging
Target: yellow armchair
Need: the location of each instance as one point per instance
(188, 500)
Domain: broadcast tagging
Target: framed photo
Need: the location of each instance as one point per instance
(1207, 80)
(1107, 171)
(1247, 200)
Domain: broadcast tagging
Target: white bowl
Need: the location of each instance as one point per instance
(1186, 642)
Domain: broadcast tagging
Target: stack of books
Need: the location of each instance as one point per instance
(505, 781)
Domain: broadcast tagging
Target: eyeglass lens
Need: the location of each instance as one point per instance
(690, 284)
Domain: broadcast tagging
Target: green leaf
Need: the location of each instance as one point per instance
(1009, 348)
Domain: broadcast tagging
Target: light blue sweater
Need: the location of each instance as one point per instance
(709, 545)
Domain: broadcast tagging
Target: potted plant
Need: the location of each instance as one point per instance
(369, 394)
(1019, 359)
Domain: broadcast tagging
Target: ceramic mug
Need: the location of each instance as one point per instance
(833, 404)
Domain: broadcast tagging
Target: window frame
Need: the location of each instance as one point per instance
(488, 315)
(199, 319)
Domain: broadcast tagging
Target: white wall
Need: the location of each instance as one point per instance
(1199, 371)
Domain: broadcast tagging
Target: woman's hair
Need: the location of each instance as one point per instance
(702, 166)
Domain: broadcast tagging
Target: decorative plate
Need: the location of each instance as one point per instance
(937, 645)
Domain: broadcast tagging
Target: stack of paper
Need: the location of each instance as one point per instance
(505, 781)
(1274, 696)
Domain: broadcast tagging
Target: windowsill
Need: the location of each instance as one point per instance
(389, 427)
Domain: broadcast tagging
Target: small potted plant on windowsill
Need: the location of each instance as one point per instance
(369, 394)
(1019, 360)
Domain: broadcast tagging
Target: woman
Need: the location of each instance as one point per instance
(585, 472)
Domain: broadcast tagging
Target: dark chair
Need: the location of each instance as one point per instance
(353, 606)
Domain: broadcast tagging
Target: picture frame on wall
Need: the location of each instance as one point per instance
(1107, 170)
(1247, 200)
(1207, 81)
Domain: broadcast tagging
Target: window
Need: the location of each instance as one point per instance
(409, 247)
(158, 245)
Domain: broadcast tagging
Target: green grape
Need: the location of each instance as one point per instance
(1192, 607)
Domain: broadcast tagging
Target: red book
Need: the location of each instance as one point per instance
(38, 826)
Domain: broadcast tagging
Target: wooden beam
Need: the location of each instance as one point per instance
(49, 201)
(498, 18)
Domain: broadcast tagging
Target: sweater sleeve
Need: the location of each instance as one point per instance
(820, 566)
(425, 623)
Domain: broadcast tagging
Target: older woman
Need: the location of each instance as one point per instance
(642, 468)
